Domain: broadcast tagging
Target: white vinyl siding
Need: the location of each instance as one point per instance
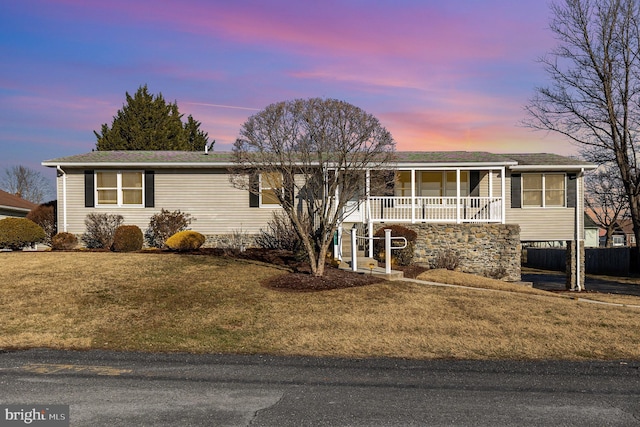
(557, 223)
(214, 204)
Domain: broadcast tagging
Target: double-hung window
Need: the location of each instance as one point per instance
(270, 186)
(119, 188)
(543, 190)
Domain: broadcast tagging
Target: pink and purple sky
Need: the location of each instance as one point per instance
(439, 75)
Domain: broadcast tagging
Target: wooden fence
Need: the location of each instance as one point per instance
(613, 261)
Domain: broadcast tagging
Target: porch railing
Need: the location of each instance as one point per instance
(435, 209)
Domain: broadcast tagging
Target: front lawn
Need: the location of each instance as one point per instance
(214, 304)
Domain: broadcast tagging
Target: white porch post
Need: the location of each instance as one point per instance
(503, 195)
(490, 183)
(337, 248)
(354, 249)
(387, 250)
(368, 211)
(458, 218)
(370, 239)
(413, 196)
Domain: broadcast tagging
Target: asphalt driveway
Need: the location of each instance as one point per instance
(555, 281)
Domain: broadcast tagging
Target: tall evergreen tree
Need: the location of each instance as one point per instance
(148, 122)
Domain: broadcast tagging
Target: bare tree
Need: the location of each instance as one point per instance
(594, 97)
(24, 182)
(606, 199)
(311, 157)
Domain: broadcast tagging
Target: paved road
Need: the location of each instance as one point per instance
(556, 281)
(133, 389)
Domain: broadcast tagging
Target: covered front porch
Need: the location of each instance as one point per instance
(439, 195)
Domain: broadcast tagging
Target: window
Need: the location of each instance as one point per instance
(543, 190)
(403, 184)
(618, 240)
(116, 188)
(443, 184)
(270, 185)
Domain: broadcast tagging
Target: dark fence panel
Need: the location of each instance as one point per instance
(547, 258)
(614, 261)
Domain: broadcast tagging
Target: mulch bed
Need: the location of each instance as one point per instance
(299, 279)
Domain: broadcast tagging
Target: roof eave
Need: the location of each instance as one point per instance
(552, 167)
(137, 164)
(15, 208)
(453, 165)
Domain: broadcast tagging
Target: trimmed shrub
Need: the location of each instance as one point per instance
(127, 238)
(45, 216)
(187, 240)
(18, 233)
(64, 242)
(100, 230)
(402, 256)
(164, 225)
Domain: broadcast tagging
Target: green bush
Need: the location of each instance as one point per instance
(127, 238)
(17, 233)
(100, 230)
(164, 225)
(398, 256)
(187, 240)
(64, 242)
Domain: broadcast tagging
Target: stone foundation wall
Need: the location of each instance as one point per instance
(491, 250)
(230, 241)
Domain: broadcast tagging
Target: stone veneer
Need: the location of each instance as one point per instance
(491, 250)
(231, 241)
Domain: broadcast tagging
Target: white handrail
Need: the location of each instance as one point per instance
(387, 247)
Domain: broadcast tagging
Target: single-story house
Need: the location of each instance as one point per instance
(540, 196)
(12, 205)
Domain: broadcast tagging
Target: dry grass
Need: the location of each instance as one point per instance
(464, 279)
(155, 302)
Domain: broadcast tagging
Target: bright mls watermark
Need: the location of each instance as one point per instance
(34, 415)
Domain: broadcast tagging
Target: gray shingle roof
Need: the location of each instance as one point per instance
(198, 158)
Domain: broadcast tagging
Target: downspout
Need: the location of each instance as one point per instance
(64, 198)
(579, 207)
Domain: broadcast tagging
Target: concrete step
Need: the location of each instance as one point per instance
(363, 268)
(363, 261)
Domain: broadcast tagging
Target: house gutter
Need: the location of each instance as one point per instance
(64, 198)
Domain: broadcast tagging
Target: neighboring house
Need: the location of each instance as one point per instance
(591, 232)
(541, 193)
(622, 234)
(14, 206)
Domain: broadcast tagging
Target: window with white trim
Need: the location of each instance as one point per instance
(270, 185)
(119, 188)
(543, 190)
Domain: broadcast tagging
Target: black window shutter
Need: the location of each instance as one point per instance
(516, 191)
(149, 189)
(474, 183)
(572, 190)
(254, 188)
(89, 192)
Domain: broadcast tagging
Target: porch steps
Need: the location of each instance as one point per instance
(364, 268)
